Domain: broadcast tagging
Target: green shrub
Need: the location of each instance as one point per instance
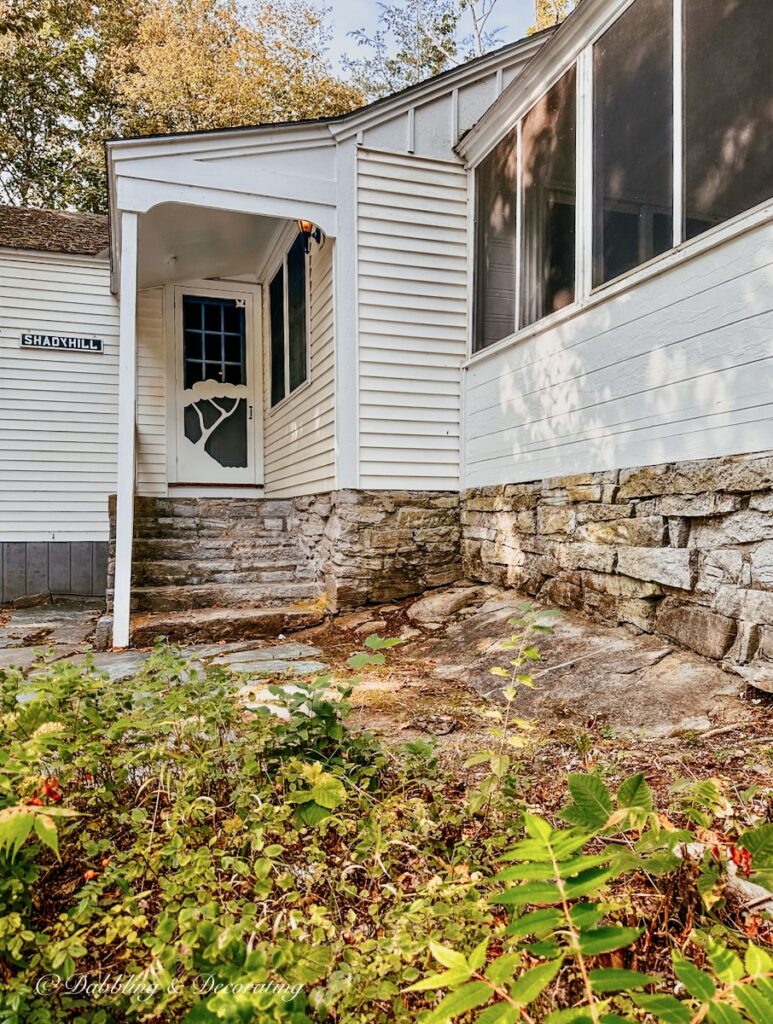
(168, 855)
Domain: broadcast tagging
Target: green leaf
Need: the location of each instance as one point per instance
(500, 1013)
(605, 940)
(501, 970)
(635, 793)
(727, 964)
(572, 1015)
(533, 982)
(477, 958)
(592, 805)
(536, 827)
(665, 1008)
(538, 923)
(15, 826)
(698, 983)
(468, 997)
(757, 961)
(449, 958)
(723, 1013)
(530, 893)
(754, 1002)
(328, 792)
(311, 814)
(617, 979)
(446, 979)
(588, 882)
(45, 827)
(759, 843)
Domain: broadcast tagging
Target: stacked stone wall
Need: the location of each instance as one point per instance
(355, 547)
(375, 546)
(682, 550)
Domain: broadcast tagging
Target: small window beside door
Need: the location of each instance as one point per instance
(288, 323)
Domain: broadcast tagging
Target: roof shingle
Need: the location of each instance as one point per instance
(82, 234)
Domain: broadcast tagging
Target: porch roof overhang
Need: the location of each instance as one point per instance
(208, 205)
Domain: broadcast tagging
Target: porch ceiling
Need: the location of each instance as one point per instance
(181, 243)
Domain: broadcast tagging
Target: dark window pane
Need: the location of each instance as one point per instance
(213, 316)
(194, 372)
(233, 318)
(213, 371)
(233, 349)
(296, 311)
(548, 145)
(495, 244)
(234, 373)
(193, 313)
(193, 341)
(632, 138)
(213, 346)
(728, 109)
(277, 319)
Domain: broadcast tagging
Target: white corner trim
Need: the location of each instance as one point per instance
(127, 409)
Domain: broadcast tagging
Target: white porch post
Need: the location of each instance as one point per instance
(127, 402)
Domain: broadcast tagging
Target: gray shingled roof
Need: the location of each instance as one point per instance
(53, 231)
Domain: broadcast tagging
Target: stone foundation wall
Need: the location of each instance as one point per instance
(357, 547)
(682, 550)
(375, 546)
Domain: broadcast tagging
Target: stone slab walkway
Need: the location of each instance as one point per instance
(588, 673)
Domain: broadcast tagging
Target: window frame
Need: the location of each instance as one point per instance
(277, 263)
(682, 249)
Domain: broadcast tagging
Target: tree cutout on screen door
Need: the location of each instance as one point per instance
(214, 403)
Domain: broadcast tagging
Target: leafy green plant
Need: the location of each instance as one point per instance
(562, 918)
(510, 730)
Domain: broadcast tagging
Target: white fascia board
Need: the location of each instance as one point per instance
(584, 25)
(221, 143)
(520, 52)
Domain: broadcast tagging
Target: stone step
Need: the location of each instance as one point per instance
(220, 595)
(227, 508)
(259, 548)
(185, 572)
(149, 529)
(210, 625)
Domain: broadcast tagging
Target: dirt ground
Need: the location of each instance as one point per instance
(415, 696)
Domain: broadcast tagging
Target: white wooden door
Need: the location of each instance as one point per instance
(216, 375)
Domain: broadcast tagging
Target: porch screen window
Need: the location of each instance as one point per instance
(495, 257)
(548, 147)
(288, 309)
(728, 114)
(633, 140)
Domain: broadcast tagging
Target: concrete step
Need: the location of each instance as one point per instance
(220, 595)
(232, 624)
(186, 572)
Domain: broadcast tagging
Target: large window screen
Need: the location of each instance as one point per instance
(549, 148)
(728, 116)
(633, 139)
(495, 258)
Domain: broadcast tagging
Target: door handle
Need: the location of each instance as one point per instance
(250, 408)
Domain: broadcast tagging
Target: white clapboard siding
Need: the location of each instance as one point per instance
(412, 319)
(58, 410)
(678, 367)
(151, 394)
(299, 445)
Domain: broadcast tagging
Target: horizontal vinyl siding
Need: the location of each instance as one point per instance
(299, 447)
(412, 319)
(151, 394)
(58, 410)
(679, 367)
